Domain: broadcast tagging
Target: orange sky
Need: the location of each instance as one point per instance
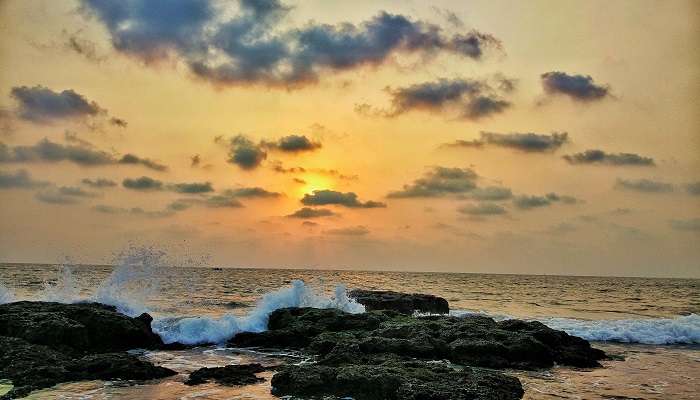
(386, 87)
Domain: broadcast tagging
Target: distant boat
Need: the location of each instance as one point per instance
(217, 269)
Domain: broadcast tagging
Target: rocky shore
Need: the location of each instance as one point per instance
(385, 353)
(43, 344)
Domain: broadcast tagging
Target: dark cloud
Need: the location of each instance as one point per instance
(525, 202)
(41, 104)
(578, 87)
(142, 183)
(87, 48)
(601, 157)
(245, 153)
(278, 167)
(192, 188)
(644, 185)
(48, 151)
(308, 212)
(470, 99)
(135, 211)
(224, 200)
(132, 159)
(293, 144)
(483, 209)
(63, 195)
(80, 152)
(252, 192)
(693, 188)
(99, 182)
(195, 160)
(20, 179)
(256, 47)
(439, 181)
(331, 197)
(491, 193)
(690, 225)
(309, 224)
(350, 231)
(527, 142)
(121, 123)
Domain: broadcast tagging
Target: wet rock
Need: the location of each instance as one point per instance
(43, 344)
(474, 340)
(404, 303)
(395, 380)
(230, 375)
(31, 367)
(77, 328)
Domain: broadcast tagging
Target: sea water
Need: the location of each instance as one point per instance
(652, 325)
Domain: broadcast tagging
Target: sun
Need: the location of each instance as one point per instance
(315, 182)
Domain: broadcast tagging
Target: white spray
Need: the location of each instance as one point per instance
(215, 330)
(6, 296)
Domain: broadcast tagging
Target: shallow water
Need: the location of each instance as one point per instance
(661, 315)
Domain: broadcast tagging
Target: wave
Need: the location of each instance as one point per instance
(198, 330)
(679, 330)
(6, 296)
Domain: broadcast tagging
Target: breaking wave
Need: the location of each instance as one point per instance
(197, 330)
(678, 330)
(6, 296)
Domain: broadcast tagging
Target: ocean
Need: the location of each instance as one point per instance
(651, 326)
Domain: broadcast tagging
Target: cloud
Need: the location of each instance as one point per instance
(121, 123)
(41, 104)
(293, 144)
(80, 152)
(143, 183)
(491, 193)
(132, 159)
(278, 167)
(690, 225)
(526, 202)
(252, 192)
(20, 179)
(99, 182)
(578, 87)
(192, 188)
(350, 231)
(439, 181)
(245, 153)
(483, 209)
(693, 188)
(331, 197)
(48, 151)
(527, 142)
(63, 195)
(469, 99)
(601, 157)
(135, 211)
(224, 200)
(256, 46)
(308, 212)
(195, 160)
(644, 185)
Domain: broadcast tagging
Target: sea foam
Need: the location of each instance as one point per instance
(6, 296)
(196, 330)
(678, 330)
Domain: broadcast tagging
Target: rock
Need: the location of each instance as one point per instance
(79, 328)
(230, 375)
(402, 302)
(43, 344)
(395, 380)
(474, 340)
(31, 367)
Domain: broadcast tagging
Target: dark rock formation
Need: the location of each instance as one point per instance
(475, 341)
(43, 344)
(230, 375)
(402, 302)
(77, 328)
(408, 380)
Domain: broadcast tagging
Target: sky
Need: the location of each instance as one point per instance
(547, 137)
